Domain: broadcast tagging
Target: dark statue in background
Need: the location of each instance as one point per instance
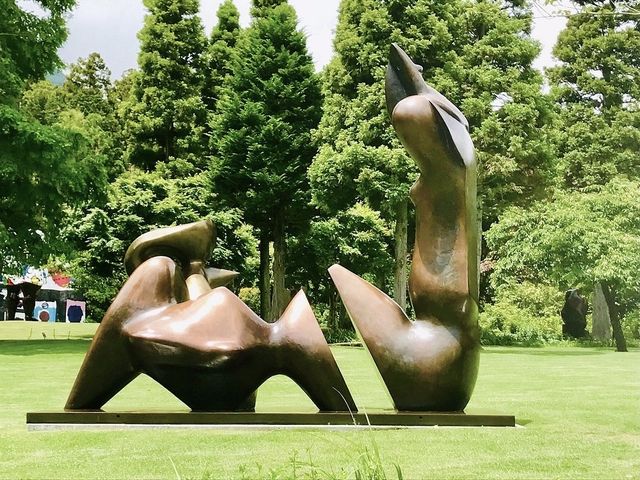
(28, 301)
(175, 321)
(429, 364)
(574, 315)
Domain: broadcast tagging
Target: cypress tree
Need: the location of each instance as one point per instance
(219, 51)
(269, 105)
(597, 85)
(168, 115)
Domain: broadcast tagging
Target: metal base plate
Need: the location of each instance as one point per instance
(244, 419)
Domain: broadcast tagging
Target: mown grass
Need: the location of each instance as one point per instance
(580, 408)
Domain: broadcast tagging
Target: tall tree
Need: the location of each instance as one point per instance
(88, 84)
(42, 167)
(597, 85)
(268, 107)
(29, 44)
(168, 117)
(477, 53)
(224, 37)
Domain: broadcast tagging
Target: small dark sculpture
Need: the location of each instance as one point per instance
(574, 315)
(202, 344)
(431, 363)
(28, 300)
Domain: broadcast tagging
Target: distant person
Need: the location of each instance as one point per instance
(29, 291)
(13, 300)
(1, 307)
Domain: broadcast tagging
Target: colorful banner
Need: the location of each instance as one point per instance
(76, 311)
(45, 311)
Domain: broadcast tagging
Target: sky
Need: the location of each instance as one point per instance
(110, 27)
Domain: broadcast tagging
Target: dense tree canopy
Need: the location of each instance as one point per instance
(168, 116)
(479, 54)
(219, 52)
(299, 171)
(29, 43)
(269, 105)
(43, 166)
(597, 84)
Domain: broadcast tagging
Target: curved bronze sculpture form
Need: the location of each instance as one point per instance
(430, 364)
(202, 344)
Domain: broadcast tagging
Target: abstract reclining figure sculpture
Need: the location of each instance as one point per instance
(429, 364)
(175, 322)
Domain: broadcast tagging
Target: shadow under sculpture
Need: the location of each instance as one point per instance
(430, 364)
(201, 343)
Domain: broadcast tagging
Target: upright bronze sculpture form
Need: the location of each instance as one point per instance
(429, 364)
(201, 343)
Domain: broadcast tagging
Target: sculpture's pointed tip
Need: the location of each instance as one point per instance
(219, 277)
(338, 271)
(403, 77)
(368, 306)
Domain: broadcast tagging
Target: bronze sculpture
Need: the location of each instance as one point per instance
(429, 364)
(201, 343)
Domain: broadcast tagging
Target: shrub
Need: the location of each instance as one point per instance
(631, 324)
(251, 296)
(524, 314)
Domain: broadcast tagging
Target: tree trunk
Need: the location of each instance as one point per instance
(265, 277)
(609, 295)
(600, 319)
(167, 142)
(400, 270)
(332, 321)
(280, 298)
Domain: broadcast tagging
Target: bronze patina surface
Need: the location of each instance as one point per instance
(429, 364)
(202, 344)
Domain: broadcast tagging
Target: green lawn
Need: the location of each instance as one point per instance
(580, 408)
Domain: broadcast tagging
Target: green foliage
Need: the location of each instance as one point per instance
(631, 324)
(334, 333)
(523, 314)
(42, 168)
(597, 85)
(168, 116)
(507, 324)
(356, 239)
(29, 43)
(573, 241)
(598, 51)
(43, 101)
(45, 161)
(380, 175)
(261, 137)
(479, 54)
(589, 231)
(140, 201)
(268, 108)
(250, 296)
(219, 51)
(87, 86)
(596, 148)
